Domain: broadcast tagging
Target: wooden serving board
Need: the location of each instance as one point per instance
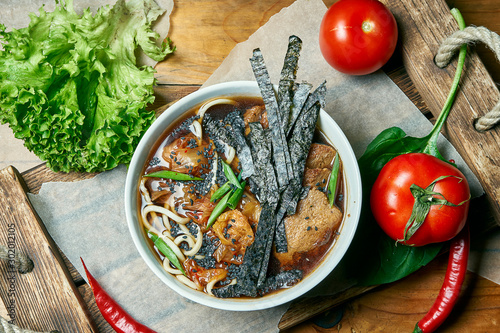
(201, 48)
(45, 298)
(424, 24)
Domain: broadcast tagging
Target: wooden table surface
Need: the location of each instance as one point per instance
(205, 31)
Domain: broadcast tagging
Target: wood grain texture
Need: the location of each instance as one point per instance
(482, 13)
(305, 308)
(403, 303)
(423, 25)
(205, 35)
(397, 307)
(46, 298)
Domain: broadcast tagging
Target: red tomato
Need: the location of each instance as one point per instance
(392, 201)
(358, 36)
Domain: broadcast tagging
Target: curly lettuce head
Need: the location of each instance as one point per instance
(70, 87)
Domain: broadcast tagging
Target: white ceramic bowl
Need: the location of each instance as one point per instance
(352, 183)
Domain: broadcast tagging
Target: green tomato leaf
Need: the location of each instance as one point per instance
(390, 143)
(394, 261)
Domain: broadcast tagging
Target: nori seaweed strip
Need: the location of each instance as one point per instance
(287, 80)
(237, 125)
(256, 259)
(271, 178)
(230, 131)
(318, 95)
(299, 144)
(287, 204)
(299, 99)
(283, 279)
(255, 253)
(261, 155)
(271, 230)
(264, 177)
(255, 188)
(301, 139)
(281, 155)
(304, 192)
(220, 177)
(217, 132)
(229, 291)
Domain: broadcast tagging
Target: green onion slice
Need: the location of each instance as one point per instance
(230, 175)
(334, 176)
(235, 198)
(219, 208)
(220, 192)
(172, 175)
(166, 250)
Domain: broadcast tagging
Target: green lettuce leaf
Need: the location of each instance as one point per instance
(70, 87)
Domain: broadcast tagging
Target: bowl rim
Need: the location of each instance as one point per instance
(328, 263)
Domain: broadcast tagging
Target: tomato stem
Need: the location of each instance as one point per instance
(424, 199)
(433, 136)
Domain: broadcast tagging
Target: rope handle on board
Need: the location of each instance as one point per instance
(452, 44)
(24, 265)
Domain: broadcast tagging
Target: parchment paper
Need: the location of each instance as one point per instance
(86, 218)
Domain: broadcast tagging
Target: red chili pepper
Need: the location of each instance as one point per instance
(454, 278)
(114, 314)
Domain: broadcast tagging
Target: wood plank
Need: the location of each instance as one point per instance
(482, 13)
(168, 94)
(423, 25)
(306, 308)
(46, 298)
(403, 303)
(397, 307)
(205, 35)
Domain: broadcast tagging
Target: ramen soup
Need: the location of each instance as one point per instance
(238, 204)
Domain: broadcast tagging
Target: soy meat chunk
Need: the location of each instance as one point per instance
(255, 114)
(320, 156)
(263, 120)
(235, 235)
(316, 178)
(251, 208)
(184, 155)
(313, 225)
